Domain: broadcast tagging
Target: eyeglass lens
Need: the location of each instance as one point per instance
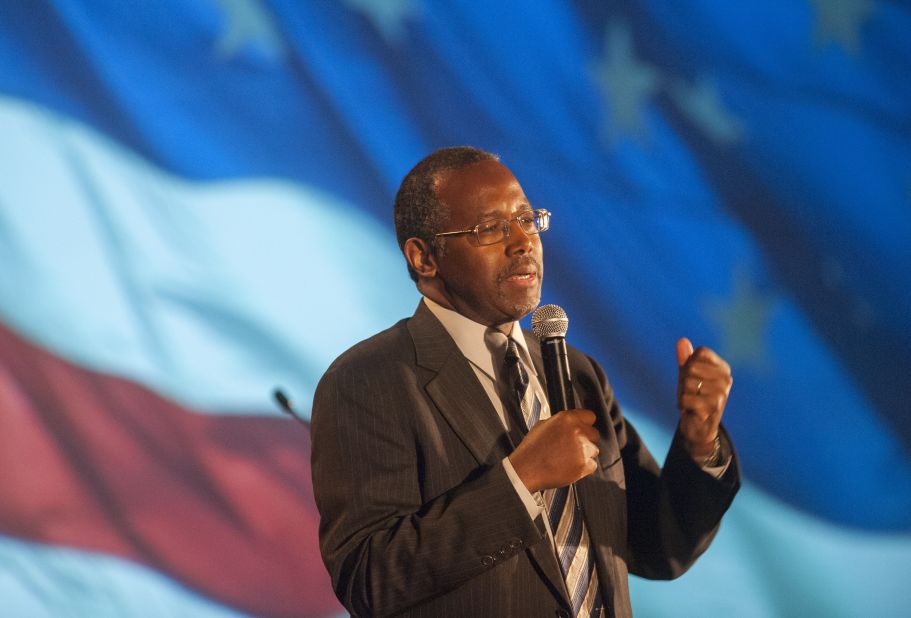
(531, 222)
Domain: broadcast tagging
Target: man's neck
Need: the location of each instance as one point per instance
(439, 296)
(455, 315)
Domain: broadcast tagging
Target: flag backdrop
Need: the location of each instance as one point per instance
(195, 207)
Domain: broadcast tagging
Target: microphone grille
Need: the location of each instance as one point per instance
(549, 321)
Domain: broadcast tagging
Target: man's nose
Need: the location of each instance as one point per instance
(518, 241)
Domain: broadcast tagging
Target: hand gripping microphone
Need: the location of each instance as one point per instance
(549, 323)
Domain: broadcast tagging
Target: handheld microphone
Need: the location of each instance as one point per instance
(549, 323)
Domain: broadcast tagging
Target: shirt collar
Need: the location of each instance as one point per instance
(469, 338)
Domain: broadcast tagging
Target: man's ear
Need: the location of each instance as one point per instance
(420, 257)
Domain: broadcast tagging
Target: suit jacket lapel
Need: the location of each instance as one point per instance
(454, 388)
(464, 403)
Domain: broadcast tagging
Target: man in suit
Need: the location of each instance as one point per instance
(446, 488)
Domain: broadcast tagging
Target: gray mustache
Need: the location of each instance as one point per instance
(521, 265)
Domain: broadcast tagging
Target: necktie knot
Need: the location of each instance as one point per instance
(515, 368)
(512, 351)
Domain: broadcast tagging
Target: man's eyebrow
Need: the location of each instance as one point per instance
(497, 214)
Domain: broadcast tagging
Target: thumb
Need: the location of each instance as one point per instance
(684, 350)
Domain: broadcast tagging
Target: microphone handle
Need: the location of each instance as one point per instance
(556, 375)
(285, 404)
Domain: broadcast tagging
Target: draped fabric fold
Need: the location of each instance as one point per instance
(195, 207)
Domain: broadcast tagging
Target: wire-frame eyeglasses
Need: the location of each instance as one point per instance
(497, 230)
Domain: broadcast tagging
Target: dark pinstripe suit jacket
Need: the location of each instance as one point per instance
(419, 518)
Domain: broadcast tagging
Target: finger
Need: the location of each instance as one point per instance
(707, 355)
(693, 404)
(540, 425)
(705, 371)
(589, 450)
(590, 466)
(693, 385)
(704, 405)
(696, 385)
(586, 417)
(591, 435)
(684, 351)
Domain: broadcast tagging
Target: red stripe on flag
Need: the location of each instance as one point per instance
(222, 503)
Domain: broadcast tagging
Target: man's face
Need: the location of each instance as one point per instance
(490, 284)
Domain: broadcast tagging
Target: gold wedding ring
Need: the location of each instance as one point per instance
(699, 387)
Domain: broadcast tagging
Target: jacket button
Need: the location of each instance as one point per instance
(515, 543)
(562, 613)
(488, 560)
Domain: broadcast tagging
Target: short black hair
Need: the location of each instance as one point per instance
(418, 212)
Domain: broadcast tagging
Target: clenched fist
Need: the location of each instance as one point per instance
(703, 385)
(557, 451)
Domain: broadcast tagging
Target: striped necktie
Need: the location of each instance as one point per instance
(574, 551)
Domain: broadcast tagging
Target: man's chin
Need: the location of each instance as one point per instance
(525, 307)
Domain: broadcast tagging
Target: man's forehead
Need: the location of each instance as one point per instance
(485, 187)
(488, 169)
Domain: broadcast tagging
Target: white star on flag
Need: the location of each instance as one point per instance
(248, 25)
(389, 17)
(841, 20)
(626, 84)
(702, 104)
(743, 321)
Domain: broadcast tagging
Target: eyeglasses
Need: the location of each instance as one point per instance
(497, 230)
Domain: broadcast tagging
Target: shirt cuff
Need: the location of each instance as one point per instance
(719, 470)
(534, 503)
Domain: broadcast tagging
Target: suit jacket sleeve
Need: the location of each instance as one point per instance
(674, 511)
(389, 539)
